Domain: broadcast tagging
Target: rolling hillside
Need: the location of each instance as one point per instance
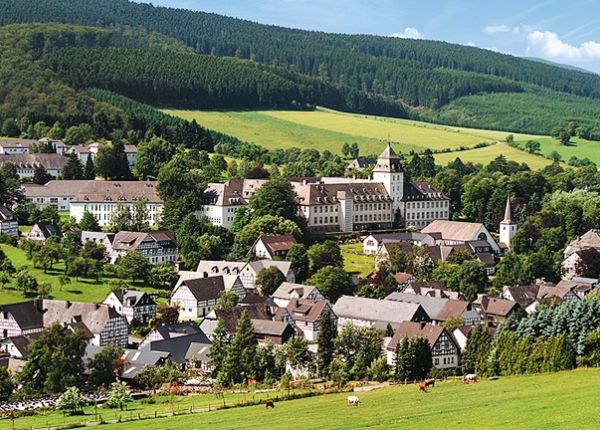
(327, 129)
(427, 75)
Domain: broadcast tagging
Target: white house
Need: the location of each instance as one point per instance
(156, 246)
(372, 242)
(196, 297)
(364, 312)
(444, 348)
(440, 309)
(9, 224)
(42, 231)
(288, 291)
(100, 238)
(247, 271)
(272, 247)
(136, 306)
(307, 316)
(459, 233)
(56, 193)
(102, 198)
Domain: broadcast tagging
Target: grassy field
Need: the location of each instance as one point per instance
(554, 401)
(327, 129)
(164, 404)
(355, 261)
(80, 290)
(579, 148)
(486, 154)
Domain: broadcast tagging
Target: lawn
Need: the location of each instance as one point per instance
(355, 261)
(79, 290)
(550, 401)
(327, 129)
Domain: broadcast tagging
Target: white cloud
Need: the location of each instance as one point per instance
(471, 43)
(548, 43)
(493, 29)
(408, 33)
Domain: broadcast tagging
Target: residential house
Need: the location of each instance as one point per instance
(372, 242)
(106, 325)
(270, 323)
(196, 297)
(99, 238)
(364, 312)
(23, 318)
(494, 309)
(580, 285)
(189, 350)
(573, 252)
(404, 280)
(431, 288)
(156, 246)
(42, 231)
(461, 334)
(26, 164)
(103, 198)
(445, 351)
(440, 309)
(248, 272)
(458, 233)
(9, 224)
(136, 359)
(136, 306)
(360, 164)
(525, 295)
(307, 316)
(288, 291)
(169, 331)
(273, 247)
(553, 293)
(56, 193)
(480, 250)
(16, 346)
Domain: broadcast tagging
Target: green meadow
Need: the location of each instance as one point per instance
(327, 129)
(550, 401)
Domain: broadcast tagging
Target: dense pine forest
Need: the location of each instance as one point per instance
(180, 58)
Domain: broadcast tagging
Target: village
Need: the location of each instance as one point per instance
(414, 313)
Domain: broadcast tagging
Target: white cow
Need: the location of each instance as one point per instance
(353, 400)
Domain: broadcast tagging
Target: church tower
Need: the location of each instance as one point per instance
(507, 227)
(389, 172)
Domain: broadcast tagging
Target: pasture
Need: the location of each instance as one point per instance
(550, 401)
(78, 290)
(328, 129)
(355, 261)
(579, 148)
(486, 154)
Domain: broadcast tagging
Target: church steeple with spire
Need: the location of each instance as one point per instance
(508, 228)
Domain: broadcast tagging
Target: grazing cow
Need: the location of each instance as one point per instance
(430, 382)
(269, 403)
(353, 400)
(470, 378)
(423, 387)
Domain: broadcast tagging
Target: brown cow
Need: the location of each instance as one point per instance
(430, 382)
(423, 387)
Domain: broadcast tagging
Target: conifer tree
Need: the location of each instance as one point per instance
(218, 348)
(238, 365)
(326, 343)
(89, 171)
(73, 169)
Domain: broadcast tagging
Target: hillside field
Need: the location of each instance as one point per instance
(327, 129)
(549, 401)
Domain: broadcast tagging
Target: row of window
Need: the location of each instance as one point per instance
(373, 217)
(323, 220)
(427, 215)
(427, 205)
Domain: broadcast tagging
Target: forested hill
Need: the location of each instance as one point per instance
(421, 73)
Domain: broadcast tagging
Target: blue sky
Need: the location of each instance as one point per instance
(557, 30)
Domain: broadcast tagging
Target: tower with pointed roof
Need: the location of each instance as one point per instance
(508, 227)
(389, 172)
